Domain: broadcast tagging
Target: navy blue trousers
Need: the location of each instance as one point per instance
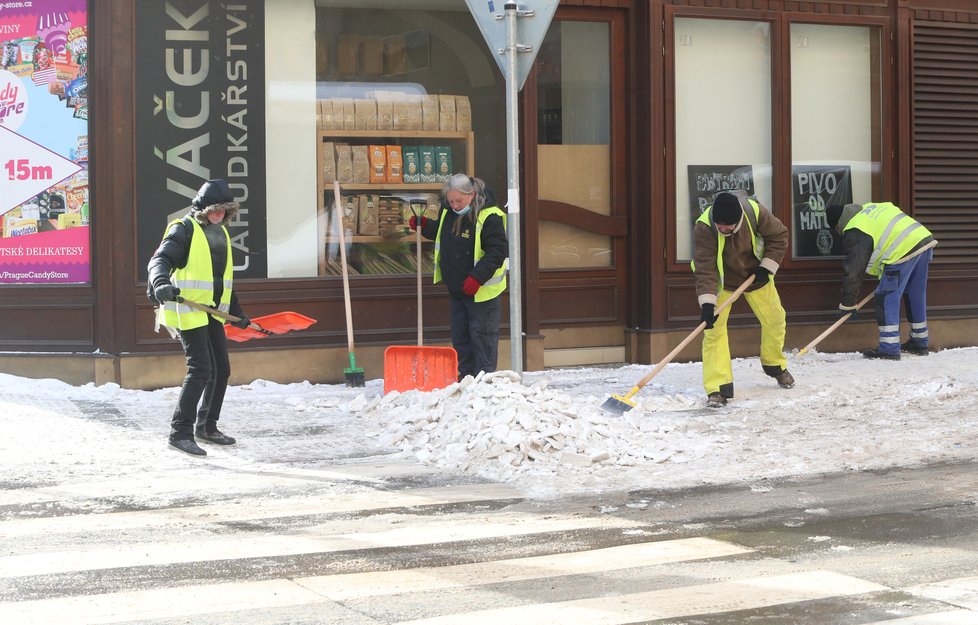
(904, 283)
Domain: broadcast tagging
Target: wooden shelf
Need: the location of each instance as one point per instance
(433, 186)
(461, 135)
(361, 137)
(365, 238)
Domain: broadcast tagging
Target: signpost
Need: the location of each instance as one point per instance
(514, 38)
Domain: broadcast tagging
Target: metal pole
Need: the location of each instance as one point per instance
(513, 195)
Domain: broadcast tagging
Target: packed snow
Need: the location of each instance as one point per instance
(545, 432)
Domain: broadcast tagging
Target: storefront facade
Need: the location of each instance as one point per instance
(635, 112)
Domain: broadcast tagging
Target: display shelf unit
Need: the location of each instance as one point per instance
(457, 139)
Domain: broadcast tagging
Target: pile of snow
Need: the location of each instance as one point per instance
(846, 413)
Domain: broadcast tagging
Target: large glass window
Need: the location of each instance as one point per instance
(574, 142)
(401, 98)
(723, 116)
(282, 97)
(835, 128)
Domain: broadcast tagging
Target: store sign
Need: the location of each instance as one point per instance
(200, 115)
(44, 234)
(814, 188)
(705, 181)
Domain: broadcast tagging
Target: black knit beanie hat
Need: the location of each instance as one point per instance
(727, 209)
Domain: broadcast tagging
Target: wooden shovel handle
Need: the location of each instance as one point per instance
(838, 322)
(338, 207)
(675, 352)
(221, 314)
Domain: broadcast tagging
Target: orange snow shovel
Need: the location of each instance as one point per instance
(620, 404)
(408, 368)
(260, 327)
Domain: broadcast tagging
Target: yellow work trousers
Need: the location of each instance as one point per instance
(766, 304)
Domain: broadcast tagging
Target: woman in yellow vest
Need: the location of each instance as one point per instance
(471, 252)
(884, 242)
(193, 263)
(735, 238)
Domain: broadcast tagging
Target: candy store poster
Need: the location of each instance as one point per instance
(44, 199)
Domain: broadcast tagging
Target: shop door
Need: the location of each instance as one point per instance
(575, 181)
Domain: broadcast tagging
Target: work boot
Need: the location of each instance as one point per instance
(715, 400)
(785, 379)
(187, 446)
(214, 436)
(915, 348)
(875, 353)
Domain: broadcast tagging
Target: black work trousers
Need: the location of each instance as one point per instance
(208, 370)
(475, 334)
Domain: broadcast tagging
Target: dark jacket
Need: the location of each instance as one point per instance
(858, 247)
(458, 251)
(174, 252)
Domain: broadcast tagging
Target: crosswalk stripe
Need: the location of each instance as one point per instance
(961, 592)
(179, 601)
(954, 617)
(344, 587)
(742, 594)
(312, 540)
(242, 509)
(156, 604)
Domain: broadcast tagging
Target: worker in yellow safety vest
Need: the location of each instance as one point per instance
(193, 264)
(886, 243)
(734, 238)
(471, 259)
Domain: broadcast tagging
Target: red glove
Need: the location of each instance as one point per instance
(413, 222)
(470, 286)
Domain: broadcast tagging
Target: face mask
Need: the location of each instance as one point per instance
(463, 211)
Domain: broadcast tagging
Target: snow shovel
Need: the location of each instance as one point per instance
(620, 404)
(838, 322)
(354, 374)
(260, 327)
(408, 368)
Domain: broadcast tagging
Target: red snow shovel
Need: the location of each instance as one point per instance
(408, 368)
(260, 327)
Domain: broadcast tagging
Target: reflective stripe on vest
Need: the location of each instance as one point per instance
(196, 283)
(894, 233)
(752, 216)
(496, 283)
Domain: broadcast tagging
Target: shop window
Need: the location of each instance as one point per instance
(723, 116)
(403, 98)
(834, 148)
(574, 143)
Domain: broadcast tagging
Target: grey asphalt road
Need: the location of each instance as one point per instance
(371, 540)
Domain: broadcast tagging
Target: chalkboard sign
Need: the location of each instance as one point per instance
(813, 189)
(707, 180)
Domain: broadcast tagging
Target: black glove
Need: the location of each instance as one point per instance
(706, 314)
(242, 323)
(166, 292)
(847, 310)
(761, 275)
